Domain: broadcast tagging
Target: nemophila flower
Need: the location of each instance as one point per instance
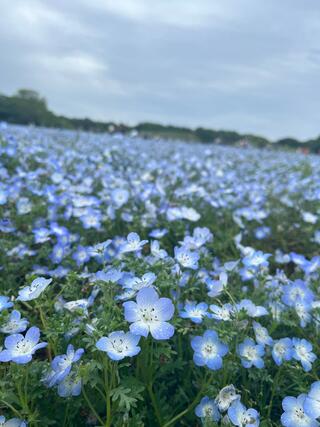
(137, 283)
(298, 259)
(311, 266)
(226, 396)
(119, 197)
(119, 345)
(195, 312)
(282, 351)
(133, 243)
(6, 226)
(297, 291)
(3, 196)
(282, 258)
(62, 364)
(150, 314)
(312, 401)
(24, 206)
(207, 409)
(186, 258)
(208, 350)
(98, 251)
(294, 413)
(240, 416)
(309, 217)
(302, 351)
(82, 255)
(262, 232)
(13, 422)
(19, 348)
(111, 275)
(156, 251)
(256, 259)
(91, 219)
(14, 324)
(225, 312)
(70, 386)
(316, 236)
(41, 234)
(81, 304)
(200, 237)
(33, 291)
(251, 354)
(261, 334)
(216, 287)
(158, 233)
(247, 274)
(59, 252)
(303, 311)
(5, 303)
(251, 309)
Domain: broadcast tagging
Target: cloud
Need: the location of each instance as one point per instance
(234, 64)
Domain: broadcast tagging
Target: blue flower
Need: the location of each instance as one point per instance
(33, 291)
(296, 291)
(133, 243)
(13, 422)
(158, 233)
(207, 409)
(62, 364)
(251, 354)
(186, 258)
(208, 350)
(303, 309)
(240, 416)
(225, 312)
(262, 334)
(119, 197)
(294, 414)
(41, 234)
(282, 350)
(312, 402)
(19, 348)
(302, 351)
(70, 386)
(119, 345)
(82, 255)
(216, 287)
(59, 251)
(150, 314)
(14, 324)
(5, 303)
(262, 232)
(256, 259)
(195, 312)
(91, 219)
(199, 238)
(226, 396)
(251, 309)
(156, 251)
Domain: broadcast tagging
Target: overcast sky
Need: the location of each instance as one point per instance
(246, 65)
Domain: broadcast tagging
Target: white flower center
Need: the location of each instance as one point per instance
(23, 347)
(148, 314)
(250, 353)
(209, 350)
(119, 345)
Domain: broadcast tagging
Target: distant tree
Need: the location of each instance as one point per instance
(31, 95)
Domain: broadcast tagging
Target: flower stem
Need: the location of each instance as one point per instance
(192, 405)
(92, 407)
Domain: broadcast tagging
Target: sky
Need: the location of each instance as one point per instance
(247, 65)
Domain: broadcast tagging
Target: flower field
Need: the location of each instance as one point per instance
(156, 283)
